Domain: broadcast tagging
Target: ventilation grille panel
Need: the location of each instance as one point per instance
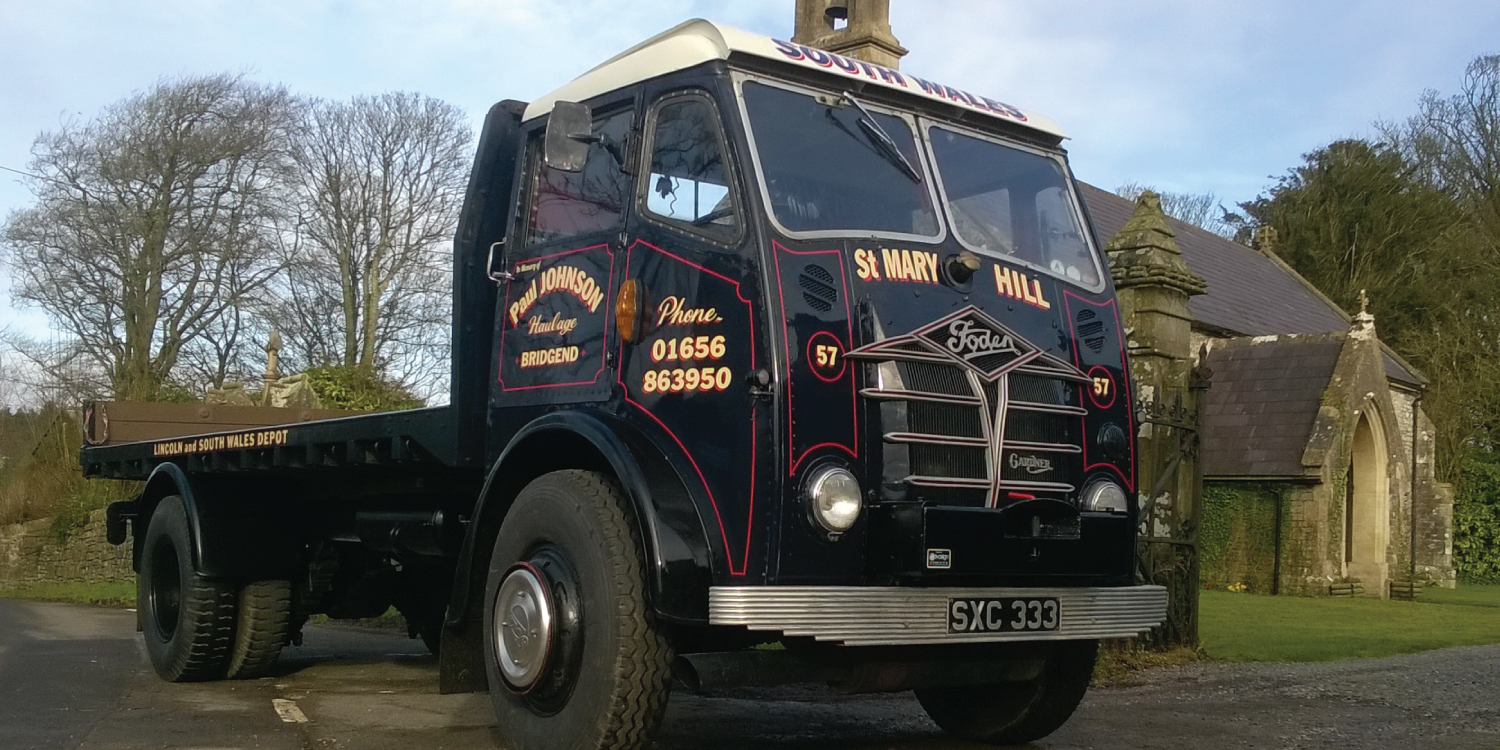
(818, 289)
(1091, 330)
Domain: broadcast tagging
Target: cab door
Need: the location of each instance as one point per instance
(555, 311)
(695, 372)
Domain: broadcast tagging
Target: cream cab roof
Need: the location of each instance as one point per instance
(699, 41)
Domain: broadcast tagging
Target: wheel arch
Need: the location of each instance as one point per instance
(164, 481)
(229, 539)
(675, 544)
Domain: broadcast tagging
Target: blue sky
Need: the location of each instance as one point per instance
(1186, 95)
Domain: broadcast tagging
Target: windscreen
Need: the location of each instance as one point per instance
(827, 171)
(1010, 203)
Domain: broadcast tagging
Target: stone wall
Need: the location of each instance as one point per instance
(1403, 401)
(1238, 537)
(31, 553)
(1435, 540)
(1309, 536)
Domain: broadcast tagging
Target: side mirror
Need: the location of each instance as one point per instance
(569, 133)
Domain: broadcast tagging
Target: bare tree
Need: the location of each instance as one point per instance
(42, 372)
(225, 352)
(152, 221)
(381, 183)
(1456, 140)
(1202, 210)
(10, 383)
(1454, 144)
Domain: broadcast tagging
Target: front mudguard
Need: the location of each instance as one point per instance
(677, 554)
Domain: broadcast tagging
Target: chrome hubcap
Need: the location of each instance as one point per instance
(523, 626)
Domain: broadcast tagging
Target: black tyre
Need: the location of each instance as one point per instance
(1015, 713)
(187, 620)
(573, 655)
(265, 607)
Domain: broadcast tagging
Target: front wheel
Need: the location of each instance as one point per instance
(1019, 712)
(572, 652)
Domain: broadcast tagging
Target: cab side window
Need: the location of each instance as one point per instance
(688, 183)
(566, 204)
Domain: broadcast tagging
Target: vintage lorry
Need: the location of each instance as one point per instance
(752, 343)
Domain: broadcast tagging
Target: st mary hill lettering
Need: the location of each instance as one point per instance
(895, 264)
(1014, 284)
(921, 267)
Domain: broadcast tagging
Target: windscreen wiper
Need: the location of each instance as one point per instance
(884, 144)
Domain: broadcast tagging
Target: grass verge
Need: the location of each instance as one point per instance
(1251, 627)
(1121, 661)
(391, 620)
(108, 594)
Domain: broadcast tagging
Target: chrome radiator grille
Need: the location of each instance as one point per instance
(983, 417)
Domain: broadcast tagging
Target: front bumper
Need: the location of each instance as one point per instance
(898, 616)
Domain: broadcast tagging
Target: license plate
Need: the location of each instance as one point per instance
(1003, 615)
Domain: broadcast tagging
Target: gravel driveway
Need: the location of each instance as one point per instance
(1437, 699)
(74, 677)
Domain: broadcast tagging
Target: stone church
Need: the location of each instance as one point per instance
(1317, 457)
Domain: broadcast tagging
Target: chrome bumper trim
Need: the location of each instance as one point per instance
(894, 616)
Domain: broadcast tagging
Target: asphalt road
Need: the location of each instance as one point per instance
(76, 677)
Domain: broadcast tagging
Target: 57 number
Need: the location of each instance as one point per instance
(826, 356)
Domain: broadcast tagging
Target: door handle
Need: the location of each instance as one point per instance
(489, 265)
(760, 385)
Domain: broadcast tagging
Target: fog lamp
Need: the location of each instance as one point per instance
(833, 498)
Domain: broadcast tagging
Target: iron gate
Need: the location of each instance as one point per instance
(1167, 548)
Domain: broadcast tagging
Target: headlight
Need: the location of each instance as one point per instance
(1104, 496)
(833, 498)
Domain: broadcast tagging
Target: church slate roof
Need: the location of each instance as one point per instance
(1258, 416)
(1249, 294)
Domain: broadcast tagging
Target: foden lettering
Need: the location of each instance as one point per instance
(968, 340)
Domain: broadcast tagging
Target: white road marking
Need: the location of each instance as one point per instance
(288, 711)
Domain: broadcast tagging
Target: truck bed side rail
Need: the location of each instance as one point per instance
(418, 436)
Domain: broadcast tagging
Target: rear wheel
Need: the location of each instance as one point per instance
(1015, 713)
(573, 656)
(260, 631)
(187, 620)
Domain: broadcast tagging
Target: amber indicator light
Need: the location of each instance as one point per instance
(628, 310)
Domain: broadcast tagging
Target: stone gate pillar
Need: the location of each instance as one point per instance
(1154, 284)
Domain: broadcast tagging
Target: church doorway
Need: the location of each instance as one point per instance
(1367, 507)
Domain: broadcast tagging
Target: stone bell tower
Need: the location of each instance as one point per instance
(860, 29)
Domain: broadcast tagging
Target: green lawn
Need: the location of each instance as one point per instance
(1473, 596)
(111, 594)
(1249, 627)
